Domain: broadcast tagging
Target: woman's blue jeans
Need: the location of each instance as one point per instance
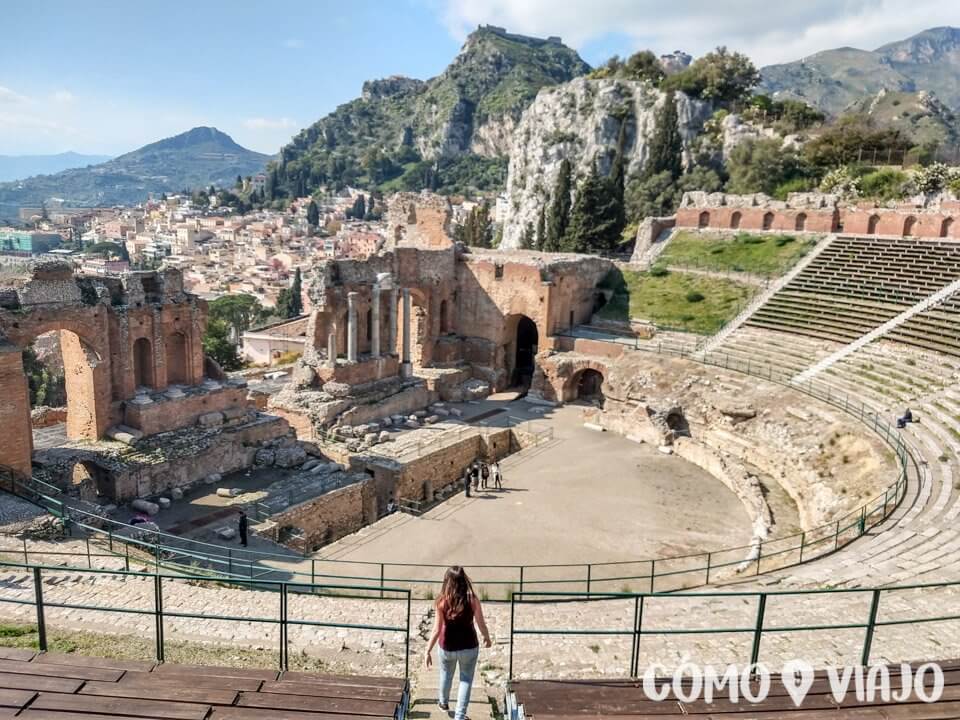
(467, 660)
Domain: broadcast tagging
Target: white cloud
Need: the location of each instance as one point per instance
(64, 96)
(262, 123)
(293, 43)
(9, 97)
(769, 32)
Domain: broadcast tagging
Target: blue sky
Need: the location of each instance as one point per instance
(103, 76)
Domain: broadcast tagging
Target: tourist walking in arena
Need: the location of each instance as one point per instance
(242, 527)
(484, 475)
(467, 474)
(497, 476)
(457, 609)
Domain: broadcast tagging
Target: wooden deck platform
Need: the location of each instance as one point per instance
(51, 686)
(626, 700)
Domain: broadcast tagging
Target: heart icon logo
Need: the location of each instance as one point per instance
(797, 678)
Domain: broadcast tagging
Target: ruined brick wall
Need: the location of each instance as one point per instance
(331, 516)
(169, 413)
(16, 450)
(816, 212)
(419, 220)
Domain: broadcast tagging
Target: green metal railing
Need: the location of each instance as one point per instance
(760, 626)
(178, 554)
(159, 613)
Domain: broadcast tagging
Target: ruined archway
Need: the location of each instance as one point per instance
(143, 375)
(945, 227)
(735, 220)
(703, 220)
(587, 386)
(872, 224)
(522, 350)
(767, 220)
(801, 222)
(177, 360)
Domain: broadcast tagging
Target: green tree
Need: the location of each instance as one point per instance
(559, 216)
(478, 227)
(239, 312)
(293, 305)
(615, 180)
(761, 165)
(541, 229)
(855, 139)
(644, 65)
(721, 76)
(313, 214)
(217, 344)
(666, 145)
(594, 217)
(528, 239)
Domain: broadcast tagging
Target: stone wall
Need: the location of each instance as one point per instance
(329, 517)
(419, 220)
(815, 212)
(165, 413)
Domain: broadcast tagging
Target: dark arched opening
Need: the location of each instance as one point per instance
(143, 363)
(588, 386)
(908, 226)
(704, 219)
(526, 351)
(801, 222)
(677, 422)
(945, 227)
(735, 220)
(767, 220)
(872, 224)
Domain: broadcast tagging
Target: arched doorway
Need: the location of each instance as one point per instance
(945, 227)
(587, 386)
(525, 351)
(735, 220)
(177, 360)
(767, 220)
(872, 224)
(143, 364)
(908, 226)
(704, 219)
(801, 222)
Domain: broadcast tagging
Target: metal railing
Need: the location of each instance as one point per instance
(639, 628)
(661, 574)
(159, 613)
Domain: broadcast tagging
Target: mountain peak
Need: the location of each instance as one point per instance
(201, 135)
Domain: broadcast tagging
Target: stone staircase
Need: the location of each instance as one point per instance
(714, 341)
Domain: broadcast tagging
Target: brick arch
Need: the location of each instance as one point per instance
(735, 219)
(569, 377)
(768, 218)
(909, 224)
(177, 358)
(800, 224)
(872, 224)
(703, 220)
(144, 367)
(946, 226)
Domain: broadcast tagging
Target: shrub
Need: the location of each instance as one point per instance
(693, 296)
(842, 182)
(797, 184)
(783, 240)
(659, 271)
(885, 184)
(932, 178)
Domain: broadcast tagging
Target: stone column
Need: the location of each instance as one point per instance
(332, 349)
(392, 329)
(352, 326)
(406, 368)
(375, 321)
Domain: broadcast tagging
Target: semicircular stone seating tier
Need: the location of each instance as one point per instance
(919, 543)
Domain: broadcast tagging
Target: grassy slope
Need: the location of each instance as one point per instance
(757, 254)
(663, 300)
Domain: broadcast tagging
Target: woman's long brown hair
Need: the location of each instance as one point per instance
(454, 597)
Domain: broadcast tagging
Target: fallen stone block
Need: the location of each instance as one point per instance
(226, 533)
(176, 494)
(370, 438)
(386, 422)
(145, 506)
(289, 457)
(442, 412)
(229, 492)
(432, 419)
(124, 434)
(420, 414)
(412, 424)
(310, 464)
(264, 457)
(211, 419)
(163, 502)
(456, 412)
(666, 449)
(213, 478)
(384, 437)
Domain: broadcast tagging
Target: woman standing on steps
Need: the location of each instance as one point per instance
(457, 609)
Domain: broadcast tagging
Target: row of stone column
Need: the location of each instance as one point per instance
(353, 299)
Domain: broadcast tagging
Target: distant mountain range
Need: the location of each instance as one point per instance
(18, 167)
(197, 158)
(833, 80)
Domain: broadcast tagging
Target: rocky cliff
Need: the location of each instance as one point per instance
(580, 121)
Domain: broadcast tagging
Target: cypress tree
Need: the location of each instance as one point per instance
(559, 217)
(313, 214)
(527, 240)
(593, 218)
(666, 145)
(541, 229)
(295, 303)
(615, 181)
